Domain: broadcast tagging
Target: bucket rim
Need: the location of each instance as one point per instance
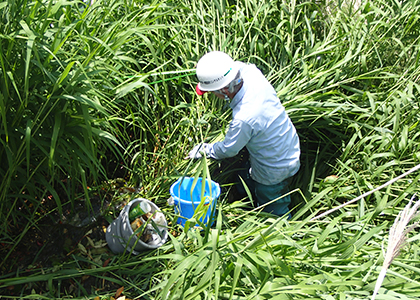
(215, 194)
(188, 178)
(207, 201)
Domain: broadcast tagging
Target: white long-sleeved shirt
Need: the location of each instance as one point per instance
(260, 122)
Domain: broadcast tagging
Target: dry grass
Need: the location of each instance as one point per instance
(397, 238)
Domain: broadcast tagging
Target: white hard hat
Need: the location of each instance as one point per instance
(215, 70)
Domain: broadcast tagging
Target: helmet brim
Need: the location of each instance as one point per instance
(198, 91)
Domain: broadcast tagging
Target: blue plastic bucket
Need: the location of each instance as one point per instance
(185, 206)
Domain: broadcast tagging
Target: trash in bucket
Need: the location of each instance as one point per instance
(187, 198)
(145, 231)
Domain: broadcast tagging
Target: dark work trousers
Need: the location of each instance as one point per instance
(264, 194)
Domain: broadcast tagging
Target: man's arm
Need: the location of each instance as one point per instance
(237, 136)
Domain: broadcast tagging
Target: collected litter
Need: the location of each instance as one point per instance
(140, 226)
(145, 223)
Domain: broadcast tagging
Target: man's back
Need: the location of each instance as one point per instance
(273, 144)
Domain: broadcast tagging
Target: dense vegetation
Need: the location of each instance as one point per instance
(97, 106)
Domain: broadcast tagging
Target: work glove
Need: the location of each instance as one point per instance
(197, 151)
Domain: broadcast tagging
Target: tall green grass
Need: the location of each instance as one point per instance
(86, 88)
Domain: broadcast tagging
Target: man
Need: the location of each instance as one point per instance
(259, 123)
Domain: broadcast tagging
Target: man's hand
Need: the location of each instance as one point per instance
(197, 151)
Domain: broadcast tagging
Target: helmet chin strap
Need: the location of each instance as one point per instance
(224, 95)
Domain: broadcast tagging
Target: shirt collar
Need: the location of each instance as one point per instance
(239, 95)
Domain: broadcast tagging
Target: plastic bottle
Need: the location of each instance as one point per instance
(139, 210)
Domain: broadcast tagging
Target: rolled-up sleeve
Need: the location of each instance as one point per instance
(237, 136)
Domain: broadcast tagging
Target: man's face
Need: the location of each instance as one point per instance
(221, 93)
